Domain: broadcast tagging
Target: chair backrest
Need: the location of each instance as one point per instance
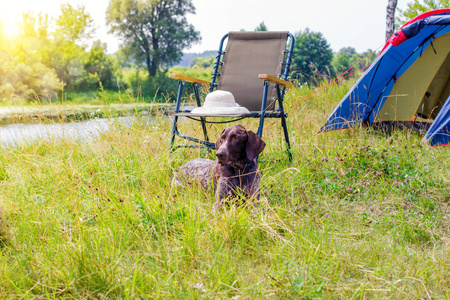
(247, 55)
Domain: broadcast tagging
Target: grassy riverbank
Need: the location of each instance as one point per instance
(67, 113)
(357, 215)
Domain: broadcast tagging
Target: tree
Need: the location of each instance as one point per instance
(341, 60)
(102, 66)
(347, 57)
(312, 56)
(261, 27)
(390, 18)
(67, 55)
(22, 71)
(203, 63)
(418, 7)
(349, 51)
(74, 24)
(40, 62)
(153, 31)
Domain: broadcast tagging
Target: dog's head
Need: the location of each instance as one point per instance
(237, 146)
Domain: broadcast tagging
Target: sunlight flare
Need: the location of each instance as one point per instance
(10, 28)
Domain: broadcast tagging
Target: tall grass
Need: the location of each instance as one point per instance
(357, 214)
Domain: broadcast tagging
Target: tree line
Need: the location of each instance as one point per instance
(58, 55)
(51, 55)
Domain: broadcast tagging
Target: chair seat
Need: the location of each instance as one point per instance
(256, 114)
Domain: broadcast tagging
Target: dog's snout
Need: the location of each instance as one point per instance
(220, 154)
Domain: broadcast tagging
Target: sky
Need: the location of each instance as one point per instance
(356, 23)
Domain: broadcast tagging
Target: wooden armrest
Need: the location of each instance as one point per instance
(188, 79)
(275, 80)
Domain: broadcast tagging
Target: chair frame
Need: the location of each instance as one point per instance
(279, 112)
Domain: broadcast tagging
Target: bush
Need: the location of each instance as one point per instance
(151, 89)
(28, 81)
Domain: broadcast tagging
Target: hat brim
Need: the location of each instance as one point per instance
(219, 104)
(239, 110)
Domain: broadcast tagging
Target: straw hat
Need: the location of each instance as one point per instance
(220, 103)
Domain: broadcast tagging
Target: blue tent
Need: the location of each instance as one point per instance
(409, 82)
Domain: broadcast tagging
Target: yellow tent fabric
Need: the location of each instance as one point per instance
(422, 90)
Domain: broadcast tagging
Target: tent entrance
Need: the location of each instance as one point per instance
(437, 92)
(420, 92)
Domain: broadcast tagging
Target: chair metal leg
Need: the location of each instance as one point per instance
(286, 136)
(202, 119)
(177, 109)
(283, 122)
(263, 109)
(173, 133)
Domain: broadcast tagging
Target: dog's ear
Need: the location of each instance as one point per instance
(255, 145)
(219, 140)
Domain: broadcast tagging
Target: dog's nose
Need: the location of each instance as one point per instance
(220, 155)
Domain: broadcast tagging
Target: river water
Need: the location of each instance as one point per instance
(13, 134)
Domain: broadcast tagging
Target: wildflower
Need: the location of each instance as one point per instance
(396, 174)
(336, 159)
(323, 158)
(332, 168)
(342, 174)
(396, 182)
(398, 166)
(199, 286)
(326, 215)
(359, 171)
(314, 149)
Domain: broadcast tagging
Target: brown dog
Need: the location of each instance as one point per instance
(234, 172)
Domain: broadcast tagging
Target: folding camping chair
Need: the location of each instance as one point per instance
(250, 64)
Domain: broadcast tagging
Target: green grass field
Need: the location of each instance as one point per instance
(357, 215)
